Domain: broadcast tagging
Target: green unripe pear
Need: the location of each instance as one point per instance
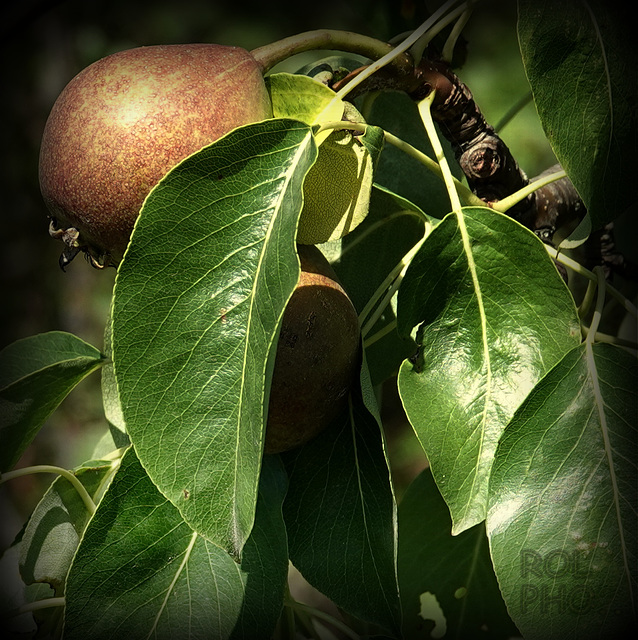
(123, 122)
(317, 359)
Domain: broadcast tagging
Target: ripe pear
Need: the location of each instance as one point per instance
(123, 122)
(317, 358)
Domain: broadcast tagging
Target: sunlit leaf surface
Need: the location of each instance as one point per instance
(197, 304)
(562, 506)
(492, 316)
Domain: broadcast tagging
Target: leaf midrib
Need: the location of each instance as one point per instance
(236, 528)
(467, 249)
(602, 416)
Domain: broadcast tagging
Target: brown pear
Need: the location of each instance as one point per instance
(123, 122)
(317, 359)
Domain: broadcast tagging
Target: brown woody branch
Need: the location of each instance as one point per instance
(490, 168)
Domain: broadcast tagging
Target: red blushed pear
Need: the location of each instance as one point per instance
(123, 122)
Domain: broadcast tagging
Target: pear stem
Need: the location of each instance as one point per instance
(271, 54)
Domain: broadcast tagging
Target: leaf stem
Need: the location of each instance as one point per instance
(275, 52)
(415, 36)
(386, 290)
(424, 107)
(375, 337)
(578, 268)
(600, 303)
(506, 203)
(421, 217)
(587, 300)
(65, 473)
(513, 111)
(448, 48)
(469, 198)
(37, 605)
(608, 339)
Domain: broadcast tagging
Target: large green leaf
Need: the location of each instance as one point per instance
(562, 507)
(36, 374)
(493, 316)
(142, 572)
(197, 304)
(447, 582)
(579, 57)
(340, 516)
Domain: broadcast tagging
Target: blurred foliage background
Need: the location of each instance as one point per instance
(46, 42)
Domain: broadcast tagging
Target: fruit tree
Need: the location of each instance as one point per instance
(314, 240)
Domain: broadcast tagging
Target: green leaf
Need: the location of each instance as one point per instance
(340, 517)
(141, 571)
(302, 98)
(373, 139)
(580, 62)
(111, 395)
(562, 507)
(56, 525)
(393, 217)
(453, 573)
(197, 304)
(14, 594)
(493, 317)
(36, 374)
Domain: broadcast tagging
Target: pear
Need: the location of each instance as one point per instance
(317, 359)
(123, 122)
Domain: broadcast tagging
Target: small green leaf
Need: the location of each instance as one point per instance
(56, 525)
(197, 304)
(493, 316)
(580, 62)
(373, 139)
(455, 570)
(340, 517)
(302, 98)
(562, 505)
(142, 572)
(36, 374)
